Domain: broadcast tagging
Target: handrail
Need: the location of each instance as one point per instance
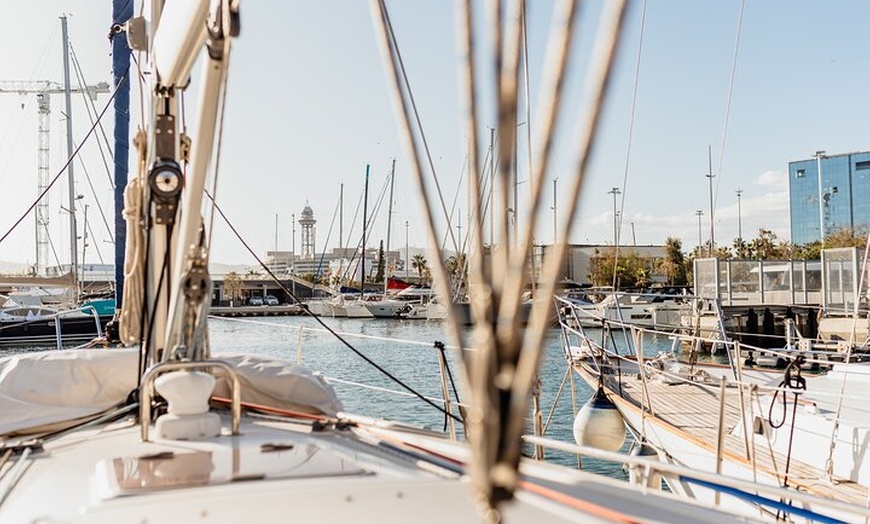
(147, 391)
(57, 323)
(715, 481)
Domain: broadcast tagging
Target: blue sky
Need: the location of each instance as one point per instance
(309, 107)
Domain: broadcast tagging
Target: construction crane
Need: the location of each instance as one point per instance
(43, 90)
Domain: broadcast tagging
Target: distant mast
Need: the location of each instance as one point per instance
(122, 11)
(73, 260)
(389, 225)
(365, 225)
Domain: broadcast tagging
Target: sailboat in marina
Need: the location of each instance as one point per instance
(55, 306)
(788, 427)
(165, 431)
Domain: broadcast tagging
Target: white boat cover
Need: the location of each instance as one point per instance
(276, 383)
(50, 390)
(40, 391)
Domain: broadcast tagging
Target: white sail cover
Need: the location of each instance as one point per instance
(40, 390)
(52, 389)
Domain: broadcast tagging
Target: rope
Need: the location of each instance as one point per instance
(381, 389)
(628, 146)
(556, 400)
(395, 45)
(440, 346)
(62, 169)
(342, 333)
(134, 265)
(730, 95)
(797, 384)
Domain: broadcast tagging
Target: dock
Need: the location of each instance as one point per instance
(257, 311)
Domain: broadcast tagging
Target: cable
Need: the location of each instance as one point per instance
(730, 96)
(317, 319)
(97, 200)
(628, 146)
(89, 104)
(61, 171)
(440, 347)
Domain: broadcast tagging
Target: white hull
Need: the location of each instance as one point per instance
(689, 448)
(338, 308)
(386, 308)
(312, 462)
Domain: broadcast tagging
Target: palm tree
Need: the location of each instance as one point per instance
(674, 264)
(419, 264)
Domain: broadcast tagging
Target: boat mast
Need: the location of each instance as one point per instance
(122, 11)
(389, 223)
(73, 260)
(364, 227)
(341, 218)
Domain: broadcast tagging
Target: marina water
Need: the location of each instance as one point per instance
(407, 350)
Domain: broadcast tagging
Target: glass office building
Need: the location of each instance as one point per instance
(841, 200)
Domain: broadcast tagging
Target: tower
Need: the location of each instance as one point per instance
(307, 221)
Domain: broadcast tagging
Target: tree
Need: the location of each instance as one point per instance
(741, 249)
(457, 268)
(632, 269)
(232, 285)
(674, 263)
(379, 276)
(420, 265)
(766, 246)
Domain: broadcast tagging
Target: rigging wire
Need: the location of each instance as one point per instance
(326, 242)
(341, 339)
(395, 45)
(628, 146)
(829, 463)
(728, 101)
(61, 171)
(109, 229)
(89, 106)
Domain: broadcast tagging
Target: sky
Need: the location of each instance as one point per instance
(309, 106)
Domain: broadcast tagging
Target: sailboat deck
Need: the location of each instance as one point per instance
(693, 410)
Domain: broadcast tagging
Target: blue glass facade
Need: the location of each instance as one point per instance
(841, 201)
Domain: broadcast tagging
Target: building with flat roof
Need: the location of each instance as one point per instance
(839, 199)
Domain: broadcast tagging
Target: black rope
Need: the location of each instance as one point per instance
(143, 313)
(797, 384)
(62, 169)
(160, 280)
(319, 321)
(440, 347)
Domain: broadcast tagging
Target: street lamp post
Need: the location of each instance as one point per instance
(819, 155)
(710, 176)
(614, 191)
(739, 217)
(699, 214)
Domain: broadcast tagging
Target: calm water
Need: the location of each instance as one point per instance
(405, 348)
(409, 355)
